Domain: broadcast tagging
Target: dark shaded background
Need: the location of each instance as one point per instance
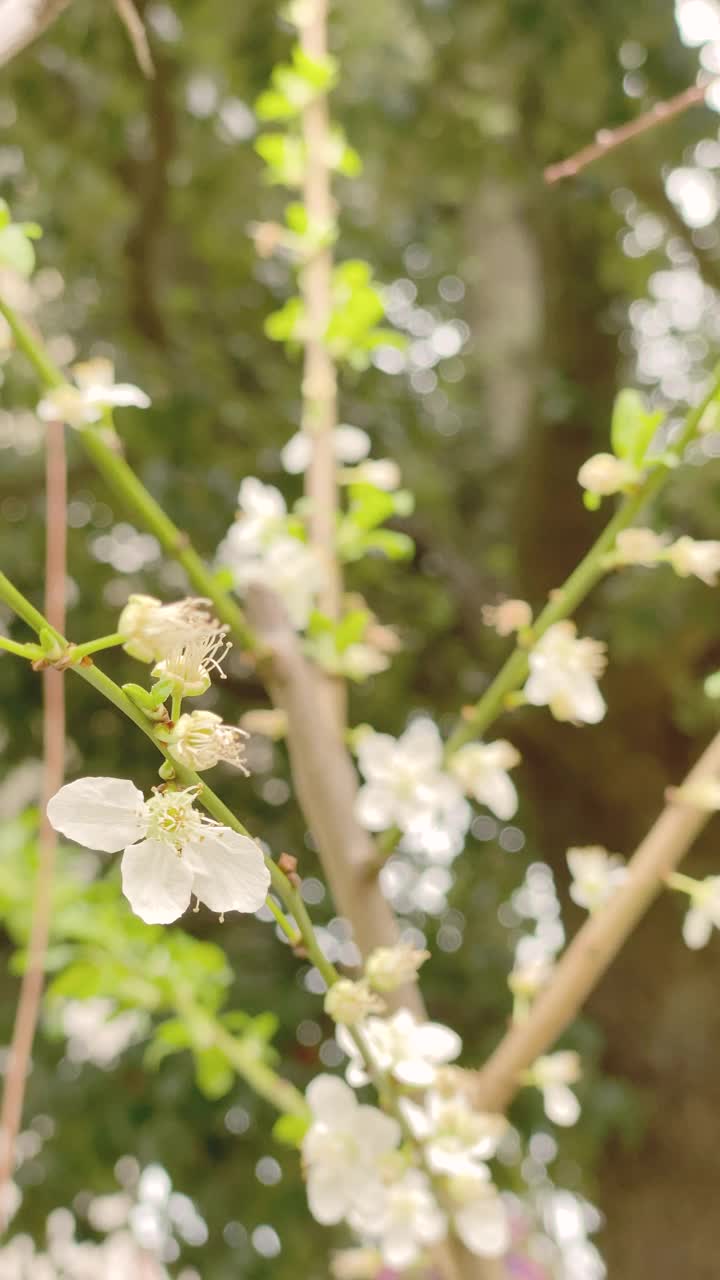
(146, 191)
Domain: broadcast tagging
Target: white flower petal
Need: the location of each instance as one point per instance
(697, 928)
(331, 1100)
(229, 872)
(122, 393)
(327, 1195)
(156, 882)
(351, 443)
(296, 454)
(483, 1227)
(415, 1072)
(497, 792)
(561, 1105)
(375, 807)
(436, 1042)
(379, 1132)
(99, 813)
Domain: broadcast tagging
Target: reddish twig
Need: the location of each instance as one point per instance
(608, 139)
(28, 1008)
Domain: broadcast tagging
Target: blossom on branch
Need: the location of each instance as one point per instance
(482, 769)
(200, 740)
(564, 672)
(350, 445)
(406, 786)
(638, 546)
(405, 1221)
(479, 1217)
(348, 1002)
(95, 391)
(455, 1138)
(191, 662)
(552, 1075)
(703, 913)
(151, 629)
(507, 616)
(171, 851)
(401, 1046)
(388, 968)
(691, 558)
(343, 1151)
(604, 474)
(596, 875)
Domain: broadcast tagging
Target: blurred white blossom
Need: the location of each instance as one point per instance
(596, 874)
(563, 674)
(400, 1045)
(605, 474)
(482, 769)
(95, 390)
(343, 1151)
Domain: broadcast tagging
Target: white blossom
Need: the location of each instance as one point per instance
(348, 1002)
(406, 1220)
(200, 740)
(533, 965)
(507, 616)
(480, 1218)
(596, 875)
(605, 474)
(190, 664)
(482, 769)
(454, 1136)
(170, 850)
(689, 557)
(96, 1032)
(95, 390)
(262, 517)
(552, 1075)
(381, 473)
(388, 968)
(343, 1151)
(400, 1045)
(564, 672)
(152, 629)
(405, 786)
(703, 914)
(638, 546)
(289, 568)
(350, 444)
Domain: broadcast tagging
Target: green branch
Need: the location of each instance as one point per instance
(581, 581)
(92, 675)
(121, 479)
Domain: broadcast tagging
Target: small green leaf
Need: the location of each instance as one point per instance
(632, 428)
(213, 1073)
(591, 500)
(290, 1129)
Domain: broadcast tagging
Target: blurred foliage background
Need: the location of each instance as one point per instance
(526, 307)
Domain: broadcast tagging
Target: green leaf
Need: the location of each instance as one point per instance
(16, 250)
(370, 506)
(290, 1129)
(213, 1073)
(632, 428)
(351, 629)
(394, 545)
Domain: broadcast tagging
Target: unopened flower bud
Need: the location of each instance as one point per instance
(638, 546)
(605, 474)
(388, 968)
(349, 1002)
(508, 616)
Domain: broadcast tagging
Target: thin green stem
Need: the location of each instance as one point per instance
(29, 651)
(176, 707)
(581, 581)
(94, 646)
(101, 446)
(91, 674)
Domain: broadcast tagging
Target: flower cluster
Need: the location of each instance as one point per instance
(401, 1198)
(260, 547)
(535, 952)
(408, 786)
(171, 851)
(703, 914)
